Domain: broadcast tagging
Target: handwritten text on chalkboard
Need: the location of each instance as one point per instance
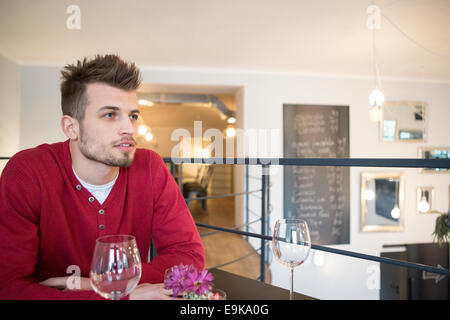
(319, 195)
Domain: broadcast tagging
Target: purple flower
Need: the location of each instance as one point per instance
(176, 278)
(199, 282)
(186, 279)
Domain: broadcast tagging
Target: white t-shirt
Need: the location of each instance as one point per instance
(99, 192)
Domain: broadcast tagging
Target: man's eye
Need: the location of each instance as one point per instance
(109, 115)
(134, 116)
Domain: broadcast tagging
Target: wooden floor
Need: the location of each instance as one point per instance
(223, 247)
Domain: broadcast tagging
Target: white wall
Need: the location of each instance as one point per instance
(9, 108)
(41, 106)
(263, 96)
(346, 277)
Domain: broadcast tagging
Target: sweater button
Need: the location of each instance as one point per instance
(101, 211)
(101, 227)
(91, 199)
(78, 187)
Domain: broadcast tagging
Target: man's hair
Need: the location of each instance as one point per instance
(109, 69)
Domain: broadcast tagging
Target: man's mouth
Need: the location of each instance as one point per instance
(125, 146)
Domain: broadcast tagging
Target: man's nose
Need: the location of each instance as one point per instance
(128, 127)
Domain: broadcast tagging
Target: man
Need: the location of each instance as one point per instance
(57, 199)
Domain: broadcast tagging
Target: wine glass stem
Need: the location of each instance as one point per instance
(291, 294)
(116, 295)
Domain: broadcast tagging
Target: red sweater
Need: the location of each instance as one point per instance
(47, 222)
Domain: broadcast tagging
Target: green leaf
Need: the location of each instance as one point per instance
(441, 229)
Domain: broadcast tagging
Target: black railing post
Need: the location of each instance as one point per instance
(264, 179)
(180, 178)
(268, 206)
(172, 169)
(246, 200)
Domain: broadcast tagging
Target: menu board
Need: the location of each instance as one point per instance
(318, 194)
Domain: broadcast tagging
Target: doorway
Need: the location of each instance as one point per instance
(166, 108)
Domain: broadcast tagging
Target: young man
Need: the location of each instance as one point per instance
(57, 199)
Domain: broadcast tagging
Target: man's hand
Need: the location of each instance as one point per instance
(66, 284)
(147, 291)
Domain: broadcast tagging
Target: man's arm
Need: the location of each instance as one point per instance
(174, 232)
(19, 237)
(144, 291)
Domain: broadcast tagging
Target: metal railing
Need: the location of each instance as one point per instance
(341, 162)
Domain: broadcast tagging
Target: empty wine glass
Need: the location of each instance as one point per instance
(291, 244)
(116, 266)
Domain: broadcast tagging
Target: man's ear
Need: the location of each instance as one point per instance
(70, 127)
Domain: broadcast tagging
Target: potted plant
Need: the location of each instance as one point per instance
(442, 228)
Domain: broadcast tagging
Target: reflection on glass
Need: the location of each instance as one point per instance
(434, 153)
(388, 130)
(404, 121)
(369, 195)
(411, 135)
(425, 199)
(382, 201)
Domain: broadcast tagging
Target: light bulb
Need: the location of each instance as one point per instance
(144, 102)
(395, 213)
(423, 205)
(375, 114)
(376, 98)
(142, 130)
(231, 132)
(149, 136)
(206, 153)
(369, 195)
(231, 120)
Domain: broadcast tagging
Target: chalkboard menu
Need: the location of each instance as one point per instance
(319, 195)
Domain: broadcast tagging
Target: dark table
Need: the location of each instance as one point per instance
(241, 288)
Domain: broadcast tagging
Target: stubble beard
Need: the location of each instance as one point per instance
(99, 153)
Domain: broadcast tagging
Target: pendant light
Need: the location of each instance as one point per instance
(395, 212)
(376, 97)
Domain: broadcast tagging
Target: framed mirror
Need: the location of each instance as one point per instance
(404, 121)
(382, 201)
(425, 199)
(434, 153)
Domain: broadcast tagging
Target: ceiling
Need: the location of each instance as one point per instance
(182, 116)
(304, 36)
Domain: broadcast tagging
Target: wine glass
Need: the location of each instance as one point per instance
(116, 266)
(291, 244)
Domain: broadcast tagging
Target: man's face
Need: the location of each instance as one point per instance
(109, 127)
